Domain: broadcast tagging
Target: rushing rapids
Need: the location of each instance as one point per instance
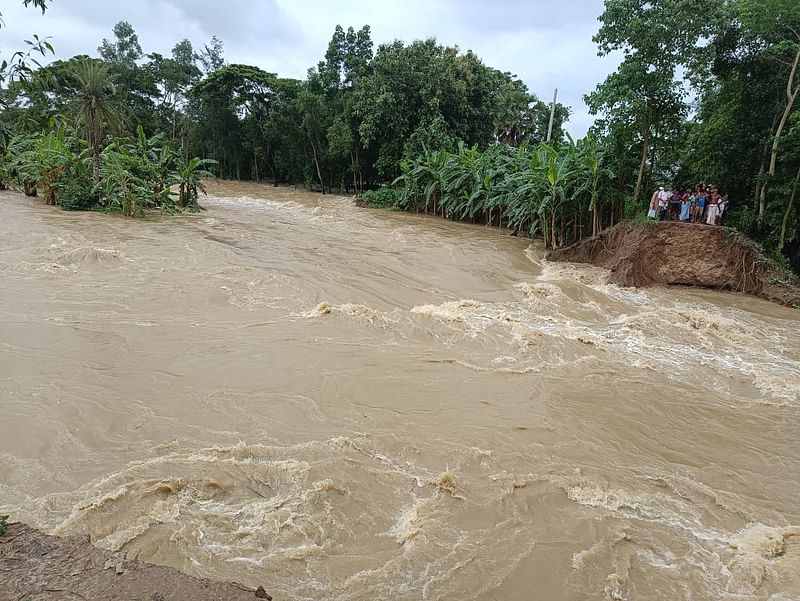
(339, 403)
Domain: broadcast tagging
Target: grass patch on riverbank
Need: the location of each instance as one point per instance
(382, 198)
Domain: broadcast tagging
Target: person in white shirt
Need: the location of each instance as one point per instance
(664, 196)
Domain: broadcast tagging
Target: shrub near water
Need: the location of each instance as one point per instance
(382, 198)
(77, 195)
(137, 173)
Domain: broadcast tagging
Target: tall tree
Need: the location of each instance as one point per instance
(636, 94)
(337, 79)
(173, 78)
(211, 56)
(774, 25)
(93, 98)
(125, 50)
(410, 87)
(227, 99)
(655, 39)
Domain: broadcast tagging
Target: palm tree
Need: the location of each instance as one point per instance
(94, 102)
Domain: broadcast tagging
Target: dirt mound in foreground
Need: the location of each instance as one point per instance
(37, 567)
(660, 254)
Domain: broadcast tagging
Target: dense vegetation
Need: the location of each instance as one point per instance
(706, 92)
(547, 189)
(64, 134)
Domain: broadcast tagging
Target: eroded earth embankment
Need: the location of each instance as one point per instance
(643, 255)
(38, 567)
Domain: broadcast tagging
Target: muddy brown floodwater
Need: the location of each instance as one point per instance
(340, 403)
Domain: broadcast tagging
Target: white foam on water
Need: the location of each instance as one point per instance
(673, 339)
(738, 563)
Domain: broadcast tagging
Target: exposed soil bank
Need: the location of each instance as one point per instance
(660, 254)
(37, 567)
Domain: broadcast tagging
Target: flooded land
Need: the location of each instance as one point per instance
(340, 403)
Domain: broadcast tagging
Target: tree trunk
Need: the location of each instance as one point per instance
(763, 167)
(791, 95)
(574, 224)
(645, 148)
(274, 175)
(653, 159)
(759, 177)
(95, 164)
(316, 164)
(787, 214)
(354, 169)
(93, 138)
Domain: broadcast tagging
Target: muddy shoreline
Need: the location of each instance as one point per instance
(37, 567)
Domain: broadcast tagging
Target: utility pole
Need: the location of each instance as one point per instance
(552, 116)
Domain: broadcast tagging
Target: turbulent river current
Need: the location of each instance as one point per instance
(339, 403)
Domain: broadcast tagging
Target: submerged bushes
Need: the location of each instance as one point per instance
(136, 173)
(382, 198)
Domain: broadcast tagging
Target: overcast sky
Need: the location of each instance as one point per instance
(547, 43)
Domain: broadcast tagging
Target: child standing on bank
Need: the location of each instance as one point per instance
(686, 207)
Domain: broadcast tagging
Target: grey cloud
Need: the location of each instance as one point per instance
(514, 15)
(546, 43)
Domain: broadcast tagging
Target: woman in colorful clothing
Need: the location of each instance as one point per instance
(675, 205)
(699, 208)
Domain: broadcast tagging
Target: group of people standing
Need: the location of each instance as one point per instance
(704, 204)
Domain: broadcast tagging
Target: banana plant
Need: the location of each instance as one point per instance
(157, 152)
(545, 189)
(37, 162)
(590, 157)
(189, 176)
(423, 180)
(559, 171)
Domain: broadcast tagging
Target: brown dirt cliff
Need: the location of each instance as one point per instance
(661, 254)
